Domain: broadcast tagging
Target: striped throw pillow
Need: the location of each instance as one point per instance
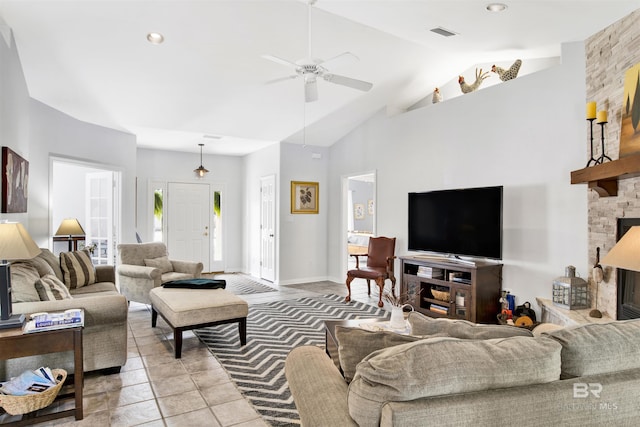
(50, 288)
(77, 269)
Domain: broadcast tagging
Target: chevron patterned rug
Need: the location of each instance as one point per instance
(274, 329)
(239, 284)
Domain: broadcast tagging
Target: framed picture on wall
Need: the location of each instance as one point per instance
(15, 180)
(358, 211)
(370, 206)
(304, 197)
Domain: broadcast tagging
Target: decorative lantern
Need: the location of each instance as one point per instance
(570, 291)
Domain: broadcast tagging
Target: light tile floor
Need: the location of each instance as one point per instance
(155, 389)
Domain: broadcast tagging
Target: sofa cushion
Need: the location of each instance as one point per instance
(23, 279)
(49, 288)
(425, 325)
(41, 265)
(599, 348)
(444, 366)
(161, 263)
(77, 269)
(52, 260)
(354, 344)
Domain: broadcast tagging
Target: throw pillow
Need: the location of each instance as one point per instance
(77, 269)
(23, 278)
(354, 344)
(448, 366)
(161, 263)
(50, 288)
(425, 325)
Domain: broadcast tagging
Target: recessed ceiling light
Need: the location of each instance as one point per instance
(155, 38)
(496, 7)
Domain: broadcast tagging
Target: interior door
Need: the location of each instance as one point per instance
(267, 228)
(188, 222)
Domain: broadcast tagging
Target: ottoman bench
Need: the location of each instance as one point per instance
(186, 309)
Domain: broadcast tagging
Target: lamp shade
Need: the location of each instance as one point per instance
(15, 242)
(626, 253)
(70, 227)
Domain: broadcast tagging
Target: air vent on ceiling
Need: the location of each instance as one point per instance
(443, 32)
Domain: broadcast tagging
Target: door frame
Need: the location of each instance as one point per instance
(344, 258)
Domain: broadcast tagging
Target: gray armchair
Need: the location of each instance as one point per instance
(144, 266)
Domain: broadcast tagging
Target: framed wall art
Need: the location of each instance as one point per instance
(358, 211)
(15, 182)
(304, 197)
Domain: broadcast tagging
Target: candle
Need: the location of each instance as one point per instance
(602, 117)
(591, 110)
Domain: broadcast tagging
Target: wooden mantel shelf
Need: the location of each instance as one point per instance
(603, 178)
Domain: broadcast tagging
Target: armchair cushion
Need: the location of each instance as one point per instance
(50, 288)
(162, 263)
(77, 269)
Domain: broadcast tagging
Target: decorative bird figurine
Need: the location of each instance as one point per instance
(437, 96)
(509, 74)
(480, 76)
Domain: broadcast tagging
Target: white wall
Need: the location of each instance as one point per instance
(303, 237)
(36, 131)
(171, 166)
(526, 134)
(258, 165)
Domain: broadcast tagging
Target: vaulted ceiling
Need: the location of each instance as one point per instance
(209, 83)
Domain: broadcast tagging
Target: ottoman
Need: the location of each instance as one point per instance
(185, 309)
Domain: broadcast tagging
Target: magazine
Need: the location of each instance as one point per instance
(49, 321)
(29, 382)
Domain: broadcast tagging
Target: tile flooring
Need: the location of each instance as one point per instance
(153, 389)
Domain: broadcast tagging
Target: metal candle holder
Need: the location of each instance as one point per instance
(592, 159)
(603, 156)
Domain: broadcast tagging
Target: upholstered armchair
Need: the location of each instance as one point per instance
(380, 261)
(144, 266)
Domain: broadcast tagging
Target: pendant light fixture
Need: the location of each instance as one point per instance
(201, 171)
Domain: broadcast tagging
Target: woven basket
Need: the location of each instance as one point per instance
(18, 405)
(440, 295)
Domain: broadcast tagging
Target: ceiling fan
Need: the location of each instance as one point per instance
(310, 68)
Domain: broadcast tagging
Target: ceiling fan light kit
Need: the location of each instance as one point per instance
(311, 68)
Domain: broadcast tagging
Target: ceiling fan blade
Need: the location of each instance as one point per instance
(280, 61)
(338, 61)
(281, 79)
(310, 90)
(347, 81)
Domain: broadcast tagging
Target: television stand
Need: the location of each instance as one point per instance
(453, 288)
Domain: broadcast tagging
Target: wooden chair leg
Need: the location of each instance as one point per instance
(368, 287)
(380, 283)
(348, 283)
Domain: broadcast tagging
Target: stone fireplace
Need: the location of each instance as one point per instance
(609, 54)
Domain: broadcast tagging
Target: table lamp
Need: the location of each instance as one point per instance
(15, 243)
(626, 253)
(70, 227)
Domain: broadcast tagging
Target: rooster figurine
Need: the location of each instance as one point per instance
(437, 96)
(509, 74)
(480, 76)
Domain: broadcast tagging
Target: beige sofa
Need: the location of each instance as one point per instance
(144, 266)
(105, 331)
(579, 376)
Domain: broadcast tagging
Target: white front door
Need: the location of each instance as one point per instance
(267, 228)
(188, 222)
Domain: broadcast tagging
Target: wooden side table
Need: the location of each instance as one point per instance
(14, 344)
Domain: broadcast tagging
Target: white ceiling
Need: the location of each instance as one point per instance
(91, 60)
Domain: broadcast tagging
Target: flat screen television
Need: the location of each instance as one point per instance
(465, 222)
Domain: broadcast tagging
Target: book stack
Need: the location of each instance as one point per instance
(430, 272)
(439, 309)
(50, 321)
